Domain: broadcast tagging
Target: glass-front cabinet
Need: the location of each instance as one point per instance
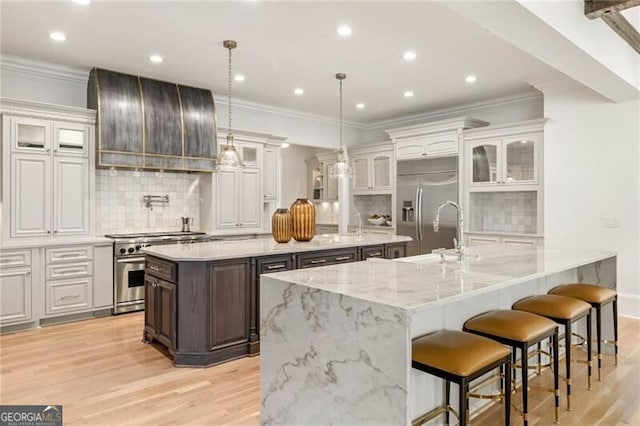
(504, 163)
(372, 173)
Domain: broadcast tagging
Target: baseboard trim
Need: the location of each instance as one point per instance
(629, 305)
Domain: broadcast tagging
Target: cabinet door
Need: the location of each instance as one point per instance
(251, 153)
(30, 195)
(250, 207)
(331, 184)
(484, 161)
(15, 295)
(482, 240)
(410, 149)
(226, 199)
(520, 159)
(395, 251)
(71, 196)
(361, 180)
(446, 144)
(229, 302)
(167, 315)
(381, 172)
(151, 306)
(70, 139)
(29, 135)
(270, 173)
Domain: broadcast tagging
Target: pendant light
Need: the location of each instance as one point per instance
(229, 158)
(341, 168)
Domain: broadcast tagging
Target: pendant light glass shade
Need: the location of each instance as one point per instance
(229, 158)
(341, 168)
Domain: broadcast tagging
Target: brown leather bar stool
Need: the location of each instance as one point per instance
(520, 330)
(564, 311)
(460, 357)
(597, 297)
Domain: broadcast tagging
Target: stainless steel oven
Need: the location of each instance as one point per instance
(129, 264)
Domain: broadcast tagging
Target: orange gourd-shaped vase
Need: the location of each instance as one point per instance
(303, 214)
(282, 225)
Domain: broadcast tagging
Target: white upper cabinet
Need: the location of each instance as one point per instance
(372, 172)
(428, 146)
(270, 173)
(502, 163)
(47, 169)
(331, 184)
(249, 191)
(238, 199)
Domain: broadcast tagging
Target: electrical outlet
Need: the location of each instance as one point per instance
(610, 222)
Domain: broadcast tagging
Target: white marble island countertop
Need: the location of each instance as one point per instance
(219, 250)
(411, 283)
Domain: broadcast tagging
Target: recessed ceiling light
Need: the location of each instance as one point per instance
(82, 2)
(299, 91)
(285, 145)
(360, 105)
(57, 36)
(344, 31)
(470, 79)
(156, 59)
(409, 55)
(239, 77)
(408, 94)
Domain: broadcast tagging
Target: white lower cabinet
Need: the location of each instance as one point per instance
(15, 295)
(69, 295)
(508, 240)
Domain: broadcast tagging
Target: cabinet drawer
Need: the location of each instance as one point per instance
(69, 270)
(395, 251)
(68, 295)
(15, 258)
(371, 251)
(68, 254)
(162, 268)
(270, 264)
(311, 260)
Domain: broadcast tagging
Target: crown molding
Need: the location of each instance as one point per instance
(463, 110)
(43, 69)
(47, 111)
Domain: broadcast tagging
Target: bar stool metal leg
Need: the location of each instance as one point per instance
(447, 401)
(567, 347)
(589, 351)
(599, 340)
(615, 328)
(556, 381)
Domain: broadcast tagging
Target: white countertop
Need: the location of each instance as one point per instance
(412, 283)
(218, 250)
(53, 242)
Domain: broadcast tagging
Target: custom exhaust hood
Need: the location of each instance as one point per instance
(151, 124)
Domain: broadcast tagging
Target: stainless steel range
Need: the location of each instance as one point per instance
(128, 264)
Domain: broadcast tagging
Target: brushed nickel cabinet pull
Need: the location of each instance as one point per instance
(154, 268)
(281, 266)
(314, 262)
(343, 258)
(70, 296)
(375, 254)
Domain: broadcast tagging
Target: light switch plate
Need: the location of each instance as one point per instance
(610, 222)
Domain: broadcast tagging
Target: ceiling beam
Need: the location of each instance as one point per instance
(599, 8)
(624, 29)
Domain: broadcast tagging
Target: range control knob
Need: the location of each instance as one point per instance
(130, 250)
(138, 247)
(123, 251)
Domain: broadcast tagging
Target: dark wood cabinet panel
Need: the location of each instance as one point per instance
(327, 257)
(162, 268)
(166, 303)
(229, 302)
(120, 113)
(394, 251)
(150, 310)
(372, 251)
(162, 117)
(199, 122)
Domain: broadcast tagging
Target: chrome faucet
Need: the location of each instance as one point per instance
(458, 241)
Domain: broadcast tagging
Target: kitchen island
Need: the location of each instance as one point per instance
(201, 300)
(336, 341)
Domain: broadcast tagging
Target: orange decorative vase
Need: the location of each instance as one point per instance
(282, 225)
(303, 213)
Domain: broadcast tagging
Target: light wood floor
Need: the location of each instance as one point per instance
(103, 375)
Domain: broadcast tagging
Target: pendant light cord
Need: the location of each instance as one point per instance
(229, 134)
(341, 115)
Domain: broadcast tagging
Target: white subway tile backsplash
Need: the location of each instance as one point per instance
(119, 206)
(369, 205)
(327, 212)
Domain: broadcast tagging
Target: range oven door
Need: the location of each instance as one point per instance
(129, 280)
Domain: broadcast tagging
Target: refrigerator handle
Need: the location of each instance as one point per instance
(419, 213)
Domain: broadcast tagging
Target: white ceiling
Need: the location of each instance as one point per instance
(282, 46)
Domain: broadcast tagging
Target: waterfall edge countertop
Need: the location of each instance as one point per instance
(220, 250)
(411, 283)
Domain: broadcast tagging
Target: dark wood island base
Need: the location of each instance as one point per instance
(207, 312)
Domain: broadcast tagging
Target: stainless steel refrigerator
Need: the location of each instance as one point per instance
(422, 186)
